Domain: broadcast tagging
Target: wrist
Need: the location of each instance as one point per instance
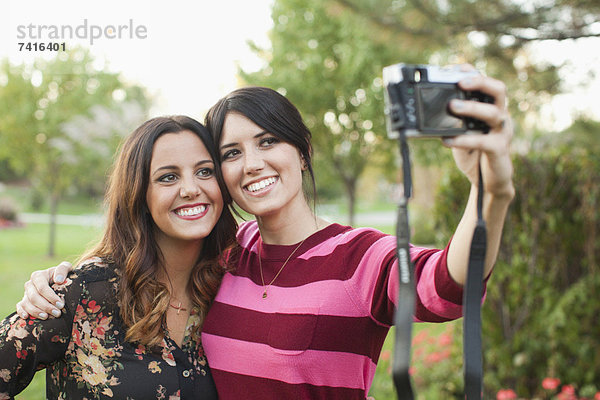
(505, 193)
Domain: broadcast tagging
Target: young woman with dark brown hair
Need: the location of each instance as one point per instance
(134, 308)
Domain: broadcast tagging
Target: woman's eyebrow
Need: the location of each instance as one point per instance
(232, 144)
(175, 167)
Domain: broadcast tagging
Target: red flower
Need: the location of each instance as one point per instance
(568, 389)
(597, 396)
(434, 357)
(445, 339)
(420, 337)
(385, 355)
(76, 337)
(567, 393)
(437, 356)
(93, 307)
(506, 394)
(22, 354)
(550, 383)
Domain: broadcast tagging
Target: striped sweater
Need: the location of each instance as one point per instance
(319, 332)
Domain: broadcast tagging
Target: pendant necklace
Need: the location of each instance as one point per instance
(178, 307)
(264, 295)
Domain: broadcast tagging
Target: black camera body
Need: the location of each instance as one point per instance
(417, 98)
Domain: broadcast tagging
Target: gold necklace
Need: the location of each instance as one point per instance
(264, 296)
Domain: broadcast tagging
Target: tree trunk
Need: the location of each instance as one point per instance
(351, 191)
(53, 211)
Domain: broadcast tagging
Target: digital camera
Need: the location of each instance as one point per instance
(417, 101)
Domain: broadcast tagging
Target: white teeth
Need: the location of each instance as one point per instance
(187, 212)
(261, 185)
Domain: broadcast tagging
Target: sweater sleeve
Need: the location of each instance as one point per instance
(28, 345)
(438, 296)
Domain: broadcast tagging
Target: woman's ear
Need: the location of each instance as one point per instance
(304, 163)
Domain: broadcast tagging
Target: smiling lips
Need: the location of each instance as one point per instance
(260, 185)
(193, 211)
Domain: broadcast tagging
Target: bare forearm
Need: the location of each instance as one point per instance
(494, 213)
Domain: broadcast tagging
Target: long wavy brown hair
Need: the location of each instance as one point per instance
(129, 239)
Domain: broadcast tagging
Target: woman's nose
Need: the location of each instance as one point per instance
(189, 188)
(253, 162)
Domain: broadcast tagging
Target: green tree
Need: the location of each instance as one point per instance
(494, 35)
(517, 21)
(42, 132)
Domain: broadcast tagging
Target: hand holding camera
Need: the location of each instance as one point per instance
(493, 150)
(460, 105)
(418, 98)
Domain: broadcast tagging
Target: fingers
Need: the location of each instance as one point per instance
(21, 311)
(26, 309)
(38, 306)
(495, 115)
(466, 67)
(491, 86)
(39, 300)
(61, 271)
(496, 144)
(491, 114)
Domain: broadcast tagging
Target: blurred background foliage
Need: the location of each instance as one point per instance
(541, 316)
(61, 121)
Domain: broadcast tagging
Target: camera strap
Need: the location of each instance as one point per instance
(403, 318)
(472, 356)
(405, 308)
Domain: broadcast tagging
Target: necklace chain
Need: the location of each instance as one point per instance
(264, 296)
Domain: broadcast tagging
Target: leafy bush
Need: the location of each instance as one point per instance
(8, 210)
(541, 317)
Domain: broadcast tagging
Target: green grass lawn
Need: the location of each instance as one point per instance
(23, 197)
(22, 251)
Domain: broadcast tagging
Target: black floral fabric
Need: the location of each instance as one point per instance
(85, 353)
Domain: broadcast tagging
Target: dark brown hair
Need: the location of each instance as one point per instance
(128, 240)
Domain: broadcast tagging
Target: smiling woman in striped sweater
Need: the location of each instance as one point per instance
(305, 313)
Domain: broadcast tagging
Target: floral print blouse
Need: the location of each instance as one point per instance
(85, 353)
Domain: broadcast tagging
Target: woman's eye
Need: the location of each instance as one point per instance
(229, 154)
(167, 178)
(269, 140)
(205, 172)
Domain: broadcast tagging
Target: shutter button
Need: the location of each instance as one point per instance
(186, 373)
